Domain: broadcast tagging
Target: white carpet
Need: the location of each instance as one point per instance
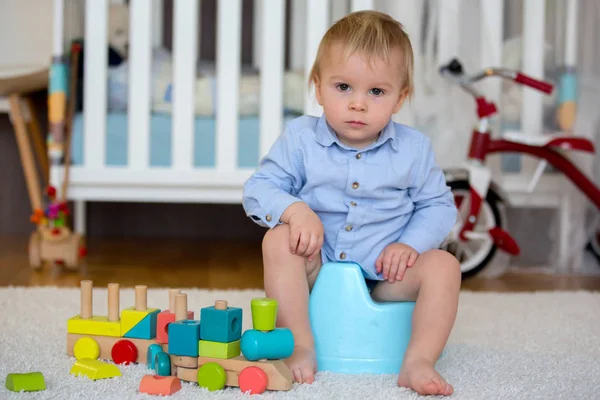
(504, 346)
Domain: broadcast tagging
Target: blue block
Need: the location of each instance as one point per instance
(272, 345)
(146, 328)
(184, 337)
(353, 333)
(221, 325)
(153, 350)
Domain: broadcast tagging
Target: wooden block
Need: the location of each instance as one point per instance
(184, 362)
(207, 348)
(280, 377)
(106, 343)
(139, 324)
(95, 369)
(27, 382)
(160, 385)
(221, 325)
(183, 338)
(97, 325)
(163, 320)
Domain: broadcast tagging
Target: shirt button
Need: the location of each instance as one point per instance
(269, 218)
(358, 156)
(353, 203)
(342, 256)
(348, 228)
(355, 185)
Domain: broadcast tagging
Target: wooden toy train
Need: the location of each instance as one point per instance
(211, 351)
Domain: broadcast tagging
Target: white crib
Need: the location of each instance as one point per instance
(182, 180)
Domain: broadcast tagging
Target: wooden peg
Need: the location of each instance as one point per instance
(141, 297)
(180, 306)
(221, 305)
(172, 293)
(86, 299)
(113, 302)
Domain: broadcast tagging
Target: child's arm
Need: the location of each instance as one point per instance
(435, 211)
(272, 188)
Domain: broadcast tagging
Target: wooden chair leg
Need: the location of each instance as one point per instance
(39, 142)
(27, 161)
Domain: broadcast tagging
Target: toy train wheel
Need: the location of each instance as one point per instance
(72, 252)
(124, 352)
(253, 380)
(35, 250)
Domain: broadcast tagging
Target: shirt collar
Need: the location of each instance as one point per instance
(326, 136)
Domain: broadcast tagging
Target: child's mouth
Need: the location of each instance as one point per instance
(356, 123)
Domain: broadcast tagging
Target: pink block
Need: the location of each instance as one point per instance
(162, 325)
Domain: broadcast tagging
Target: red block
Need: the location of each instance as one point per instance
(162, 325)
(124, 352)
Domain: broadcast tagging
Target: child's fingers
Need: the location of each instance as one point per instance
(312, 248)
(294, 238)
(412, 259)
(379, 263)
(387, 264)
(402, 266)
(303, 243)
(395, 264)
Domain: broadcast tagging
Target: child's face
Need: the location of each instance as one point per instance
(359, 98)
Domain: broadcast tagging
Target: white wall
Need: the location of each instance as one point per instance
(25, 32)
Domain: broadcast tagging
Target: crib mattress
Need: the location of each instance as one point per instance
(160, 140)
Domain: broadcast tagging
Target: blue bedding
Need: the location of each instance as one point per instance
(160, 140)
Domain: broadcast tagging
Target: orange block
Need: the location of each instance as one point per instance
(162, 325)
(160, 385)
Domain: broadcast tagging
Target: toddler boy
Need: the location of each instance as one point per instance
(353, 185)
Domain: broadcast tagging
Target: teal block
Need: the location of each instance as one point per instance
(221, 325)
(153, 350)
(162, 362)
(146, 328)
(184, 337)
(272, 345)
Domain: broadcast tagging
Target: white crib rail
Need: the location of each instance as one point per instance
(185, 37)
(229, 21)
(271, 73)
(139, 85)
(95, 74)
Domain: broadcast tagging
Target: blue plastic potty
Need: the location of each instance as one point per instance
(353, 333)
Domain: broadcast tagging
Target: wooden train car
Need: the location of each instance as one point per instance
(211, 351)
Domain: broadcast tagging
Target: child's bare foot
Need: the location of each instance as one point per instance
(420, 376)
(303, 364)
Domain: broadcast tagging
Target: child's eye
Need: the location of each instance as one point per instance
(377, 92)
(343, 87)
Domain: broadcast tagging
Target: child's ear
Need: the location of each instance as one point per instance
(318, 91)
(401, 99)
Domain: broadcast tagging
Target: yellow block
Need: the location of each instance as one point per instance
(95, 369)
(130, 317)
(94, 326)
(56, 104)
(206, 348)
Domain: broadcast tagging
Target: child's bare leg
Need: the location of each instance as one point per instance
(288, 278)
(434, 281)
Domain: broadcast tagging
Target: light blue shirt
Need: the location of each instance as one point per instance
(391, 191)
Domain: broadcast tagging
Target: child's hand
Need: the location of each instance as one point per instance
(306, 230)
(394, 260)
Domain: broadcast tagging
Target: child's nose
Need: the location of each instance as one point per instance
(358, 104)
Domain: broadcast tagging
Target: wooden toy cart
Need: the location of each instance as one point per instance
(53, 240)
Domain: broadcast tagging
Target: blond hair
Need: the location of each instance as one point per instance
(374, 35)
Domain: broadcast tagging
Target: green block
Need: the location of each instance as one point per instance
(207, 348)
(264, 313)
(95, 369)
(28, 382)
(212, 376)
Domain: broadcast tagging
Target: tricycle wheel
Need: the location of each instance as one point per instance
(473, 254)
(35, 250)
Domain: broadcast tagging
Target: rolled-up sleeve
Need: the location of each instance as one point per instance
(435, 212)
(273, 187)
